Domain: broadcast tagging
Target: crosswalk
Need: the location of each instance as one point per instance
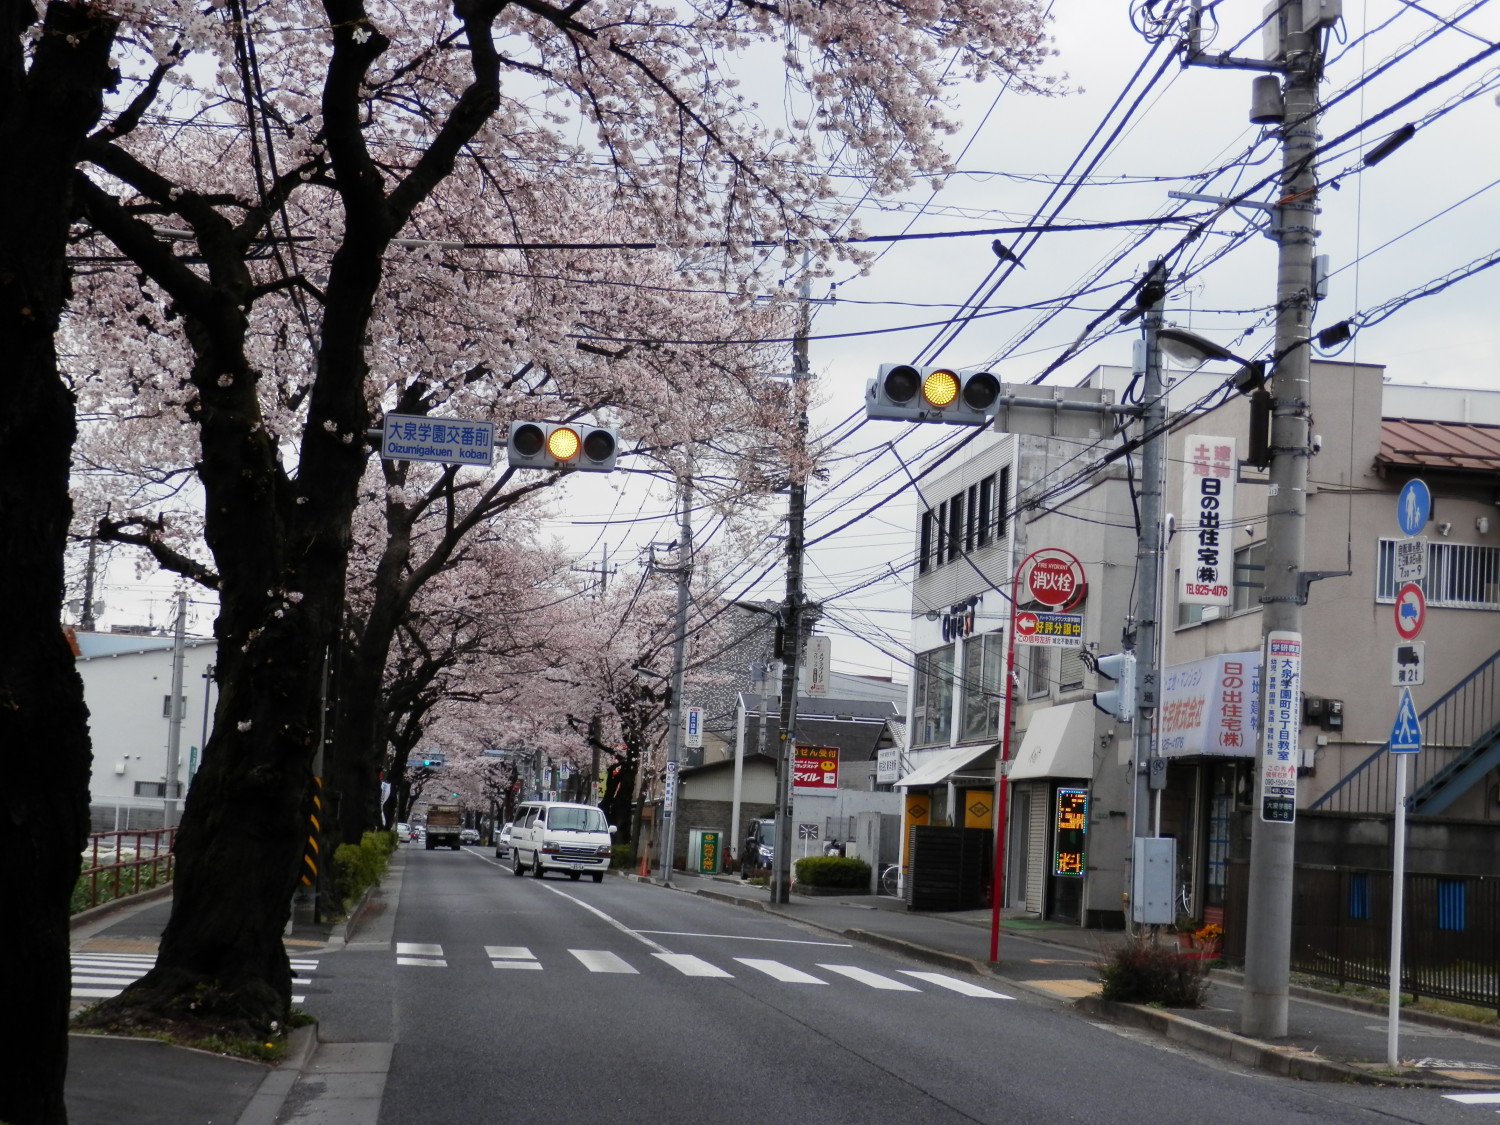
(521, 958)
(1488, 1097)
(98, 976)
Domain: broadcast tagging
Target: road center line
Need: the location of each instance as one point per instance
(621, 926)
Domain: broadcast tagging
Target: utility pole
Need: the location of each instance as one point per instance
(679, 653)
(797, 617)
(1298, 58)
(171, 805)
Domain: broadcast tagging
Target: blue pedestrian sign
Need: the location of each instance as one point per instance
(1406, 731)
(1413, 507)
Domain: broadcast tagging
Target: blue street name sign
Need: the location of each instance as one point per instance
(1406, 731)
(1413, 507)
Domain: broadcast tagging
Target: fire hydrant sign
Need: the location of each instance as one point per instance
(1281, 726)
(1206, 566)
(816, 768)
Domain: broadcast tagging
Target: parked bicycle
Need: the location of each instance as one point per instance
(890, 879)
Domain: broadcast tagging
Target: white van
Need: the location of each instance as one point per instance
(558, 836)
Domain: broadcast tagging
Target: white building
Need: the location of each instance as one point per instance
(127, 686)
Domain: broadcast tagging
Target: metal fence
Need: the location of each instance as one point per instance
(1461, 718)
(1341, 930)
(116, 864)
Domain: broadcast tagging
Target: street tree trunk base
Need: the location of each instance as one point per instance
(189, 1008)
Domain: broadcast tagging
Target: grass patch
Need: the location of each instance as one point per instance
(1450, 1008)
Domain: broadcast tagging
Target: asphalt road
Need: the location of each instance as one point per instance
(505, 998)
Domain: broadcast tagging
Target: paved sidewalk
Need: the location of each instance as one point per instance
(143, 1082)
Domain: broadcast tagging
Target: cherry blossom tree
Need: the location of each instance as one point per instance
(298, 223)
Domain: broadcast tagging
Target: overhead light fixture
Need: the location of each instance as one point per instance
(1192, 350)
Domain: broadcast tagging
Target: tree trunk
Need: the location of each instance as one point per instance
(44, 116)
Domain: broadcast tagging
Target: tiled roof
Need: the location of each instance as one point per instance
(1456, 446)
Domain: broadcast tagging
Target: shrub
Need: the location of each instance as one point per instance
(357, 866)
(622, 856)
(833, 871)
(1143, 972)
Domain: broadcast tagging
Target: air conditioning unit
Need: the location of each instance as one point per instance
(1212, 612)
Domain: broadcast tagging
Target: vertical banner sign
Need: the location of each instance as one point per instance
(1069, 829)
(1282, 726)
(817, 666)
(816, 767)
(1206, 525)
(692, 720)
(669, 791)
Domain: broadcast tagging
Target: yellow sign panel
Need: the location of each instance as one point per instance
(979, 808)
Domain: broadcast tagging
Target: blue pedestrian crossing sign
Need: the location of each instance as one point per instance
(1406, 731)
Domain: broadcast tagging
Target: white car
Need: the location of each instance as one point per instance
(502, 842)
(403, 833)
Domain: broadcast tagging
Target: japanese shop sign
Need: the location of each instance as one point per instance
(1282, 725)
(1063, 630)
(816, 767)
(1209, 706)
(1206, 574)
(1070, 828)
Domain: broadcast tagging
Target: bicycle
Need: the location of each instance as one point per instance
(890, 879)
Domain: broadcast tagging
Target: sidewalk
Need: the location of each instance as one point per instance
(143, 1082)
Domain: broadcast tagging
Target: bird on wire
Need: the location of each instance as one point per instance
(1005, 253)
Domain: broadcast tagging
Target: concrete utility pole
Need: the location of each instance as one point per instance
(797, 617)
(679, 653)
(172, 801)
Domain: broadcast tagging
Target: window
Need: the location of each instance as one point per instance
(1249, 576)
(1039, 678)
(1070, 669)
(966, 521)
(166, 706)
(156, 789)
(932, 700)
(1188, 613)
(1459, 575)
(983, 689)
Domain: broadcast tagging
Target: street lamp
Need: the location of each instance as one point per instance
(1193, 351)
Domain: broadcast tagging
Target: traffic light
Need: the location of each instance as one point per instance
(561, 445)
(1120, 700)
(932, 394)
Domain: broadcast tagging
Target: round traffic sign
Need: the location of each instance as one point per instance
(1055, 579)
(1025, 623)
(1413, 506)
(1411, 611)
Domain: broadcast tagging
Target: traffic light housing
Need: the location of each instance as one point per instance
(1119, 701)
(932, 394)
(561, 445)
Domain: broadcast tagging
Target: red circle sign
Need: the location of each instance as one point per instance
(1055, 579)
(1025, 623)
(1411, 611)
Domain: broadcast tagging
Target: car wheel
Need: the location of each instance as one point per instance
(537, 868)
(598, 876)
(515, 864)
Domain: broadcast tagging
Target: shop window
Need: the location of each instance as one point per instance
(932, 698)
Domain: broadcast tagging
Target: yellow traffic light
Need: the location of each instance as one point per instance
(563, 443)
(940, 387)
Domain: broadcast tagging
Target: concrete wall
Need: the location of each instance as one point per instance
(1434, 846)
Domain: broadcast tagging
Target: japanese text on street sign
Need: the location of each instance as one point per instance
(413, 437)
(816, 767)
(1208, 706)
(1408, 664)
(1411, 560)
(1054, 578)
(1206, 575)
(1062, 630)
(1071, 828)
(692, 719)
(1282, 724)
(669, 789)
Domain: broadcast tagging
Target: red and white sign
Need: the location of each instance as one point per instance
(1208, 707)
(1206, 524)
(815, 767)
(1054, 578)
(1411, 611)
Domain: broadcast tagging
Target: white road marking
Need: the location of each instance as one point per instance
(429, 962)
(690, 966)
(744, 937)
(602, 961)
(778, 971)
(874, 980)
(515, 964)
(616, 923)
(417, 949)
(960, 986)
(508, 953)
(1475, 1099)
(110, 973)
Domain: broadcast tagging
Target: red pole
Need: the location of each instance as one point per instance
(997, 882)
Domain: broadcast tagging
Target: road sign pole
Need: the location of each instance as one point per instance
(1398, 889)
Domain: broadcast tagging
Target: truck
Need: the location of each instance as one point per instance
(443, 825)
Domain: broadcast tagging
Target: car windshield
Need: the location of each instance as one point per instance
(576, 820)
(765, 833)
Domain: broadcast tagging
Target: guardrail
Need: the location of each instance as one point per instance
(118, 864)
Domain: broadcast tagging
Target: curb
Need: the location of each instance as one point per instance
(94, 913)
(265, 1104)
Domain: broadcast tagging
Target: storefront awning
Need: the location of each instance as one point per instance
(1059, 743)
(936, 770)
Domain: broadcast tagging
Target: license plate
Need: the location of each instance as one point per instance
(577, 866)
